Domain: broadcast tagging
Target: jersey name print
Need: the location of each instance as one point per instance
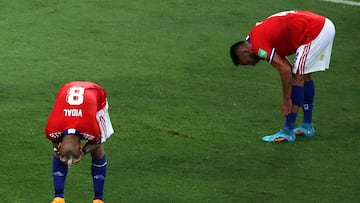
(73, 112)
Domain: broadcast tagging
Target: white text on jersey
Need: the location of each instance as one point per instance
(73, 112)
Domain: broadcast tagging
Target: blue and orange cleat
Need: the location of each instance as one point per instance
(306, 129)
(58, 200)
(281, 136)
(98, 201)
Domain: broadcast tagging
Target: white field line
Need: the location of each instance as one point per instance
(352, 3)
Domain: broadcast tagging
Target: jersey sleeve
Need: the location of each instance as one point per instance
(262, 48)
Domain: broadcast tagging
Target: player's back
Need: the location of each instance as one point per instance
(75, 107)
(286, 31)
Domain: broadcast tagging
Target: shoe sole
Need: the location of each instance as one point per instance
(300, 132)
(279, 139)
(282, 139)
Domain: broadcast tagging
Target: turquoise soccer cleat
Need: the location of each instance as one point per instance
(306, 129)
(281, 136)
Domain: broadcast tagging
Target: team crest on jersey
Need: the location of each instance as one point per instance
(262, 53)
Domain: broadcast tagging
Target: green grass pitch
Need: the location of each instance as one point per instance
(188, 123)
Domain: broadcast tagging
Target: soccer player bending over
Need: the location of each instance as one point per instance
(80, 112)
(307, 35)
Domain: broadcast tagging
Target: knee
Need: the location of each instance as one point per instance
(307, 77)
(298, 80)
(98, 152)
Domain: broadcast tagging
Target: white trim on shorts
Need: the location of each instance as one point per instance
(315, 56)
(103, 119)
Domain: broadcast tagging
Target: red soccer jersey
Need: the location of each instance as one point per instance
(284, 33)
(75, 108)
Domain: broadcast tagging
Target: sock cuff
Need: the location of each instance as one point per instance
(58, 164)
(99, 162)
(309, 83)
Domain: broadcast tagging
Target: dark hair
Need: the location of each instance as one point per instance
(233, 49)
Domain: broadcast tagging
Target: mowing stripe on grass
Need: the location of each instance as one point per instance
(352, 3)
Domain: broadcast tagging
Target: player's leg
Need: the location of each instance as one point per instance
(306, 127)
(309, 94)
(59, 170)
(297, 97)
(317, 59)
(98, 172)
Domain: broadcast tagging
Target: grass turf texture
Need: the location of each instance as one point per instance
(188, 124)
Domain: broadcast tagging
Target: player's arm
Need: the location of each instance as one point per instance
(56, 145)
(284, 68)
